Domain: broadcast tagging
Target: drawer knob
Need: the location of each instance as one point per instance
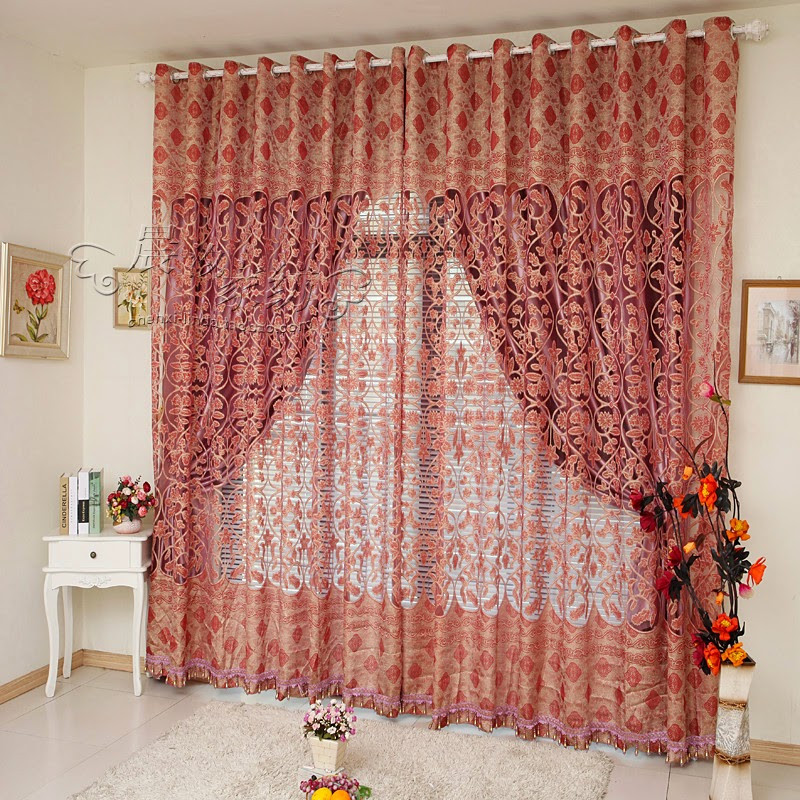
(93, 554)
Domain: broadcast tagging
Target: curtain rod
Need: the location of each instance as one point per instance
(755, 30)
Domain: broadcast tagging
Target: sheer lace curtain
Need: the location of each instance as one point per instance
(420, 330)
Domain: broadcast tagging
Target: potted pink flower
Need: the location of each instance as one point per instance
(328, 729)
(129, 504)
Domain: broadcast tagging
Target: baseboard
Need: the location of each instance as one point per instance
(100, 658)
(775, 752)
(35, 678)
(80, 658)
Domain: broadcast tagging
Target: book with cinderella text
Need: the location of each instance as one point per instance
(80, 502)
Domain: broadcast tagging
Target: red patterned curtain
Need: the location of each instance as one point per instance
(419, 330)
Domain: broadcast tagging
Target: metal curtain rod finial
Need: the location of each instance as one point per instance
(755, 31)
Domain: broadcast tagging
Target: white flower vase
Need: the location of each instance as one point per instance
(328, 755)
(730, 778)
(128, 526)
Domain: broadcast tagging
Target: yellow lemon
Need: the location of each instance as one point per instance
(324, 793)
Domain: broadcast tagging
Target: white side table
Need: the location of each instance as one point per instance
(95, 561)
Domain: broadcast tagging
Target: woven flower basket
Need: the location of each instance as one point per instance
(328, 755)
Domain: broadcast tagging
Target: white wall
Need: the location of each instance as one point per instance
(41, 205)
(766, 427)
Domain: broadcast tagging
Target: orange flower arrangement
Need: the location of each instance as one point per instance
(709, 496)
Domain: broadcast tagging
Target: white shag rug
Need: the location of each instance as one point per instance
(228, 751)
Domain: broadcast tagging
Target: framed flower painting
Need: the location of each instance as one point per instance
(769, 343)
(35, 290)
(132, 298)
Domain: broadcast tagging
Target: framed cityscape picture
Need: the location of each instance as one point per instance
(35, 288)
(132, 298)
(769, 342)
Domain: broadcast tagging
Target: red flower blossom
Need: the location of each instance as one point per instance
(713, 658)
(756, 573)
(146, 486)
(664, 582)
(41, 287)
(724, 626)
(677, 502)
(707, 494)
(648, 521)
(698, 654)
(646, 518)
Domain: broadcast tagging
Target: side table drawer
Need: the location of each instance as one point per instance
(88, 555)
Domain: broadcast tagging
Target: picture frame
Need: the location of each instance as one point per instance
(35, 298)
(132, 298)
(769, 338)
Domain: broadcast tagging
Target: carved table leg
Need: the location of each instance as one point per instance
(66, 601)
(51, 612)
(138, 607)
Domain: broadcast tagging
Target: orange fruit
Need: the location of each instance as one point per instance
(340, 794)
(323, 793)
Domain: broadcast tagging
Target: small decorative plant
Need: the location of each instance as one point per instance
(708, 493)
(335, 722)
(335, 787)
(130, 501)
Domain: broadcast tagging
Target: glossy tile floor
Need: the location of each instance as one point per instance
(50, 749)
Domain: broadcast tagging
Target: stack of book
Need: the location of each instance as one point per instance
(80, 510)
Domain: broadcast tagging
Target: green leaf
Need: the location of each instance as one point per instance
(44, 312)
(32, 331)
(41, 337)
(19, 336)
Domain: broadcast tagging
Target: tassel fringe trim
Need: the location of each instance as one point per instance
(657, 742)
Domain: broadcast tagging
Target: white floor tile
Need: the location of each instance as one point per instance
(89, 715)
(781, 776)
(18, 706)
(696, 769)
(634, 783)
(687, 787)
(774, 793)
(83, 675)
(633, 759)
(27, 762)
(123, 682)
(88, 771)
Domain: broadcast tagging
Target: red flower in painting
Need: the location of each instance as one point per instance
(41, 287)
